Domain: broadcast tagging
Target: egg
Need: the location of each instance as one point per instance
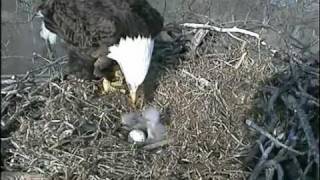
(145, 128)
(137, 136)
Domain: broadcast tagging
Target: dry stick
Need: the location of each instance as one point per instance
(200, 80)
(9, 79)
(198, 37)
(307, 169)
(277, 166)
(243, 56)
(292, 104)
(313, 99)
(270, 106)
(268, 135)
(156, 145)
(8, 82)
(12, 76)
(224, 30)
(304, 123)
(263, 163)
(269, 173)
(16, 57)
(70, 95)
(259, 167)
(235, 37)
(53, 63)
(22, 175)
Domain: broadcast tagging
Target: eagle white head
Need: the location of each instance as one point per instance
(133, 56)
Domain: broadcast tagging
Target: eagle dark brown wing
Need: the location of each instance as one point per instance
(95, 23)
(150, 16)
(89, 27)
(82, 24)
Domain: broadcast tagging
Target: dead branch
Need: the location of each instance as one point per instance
(224, 30)
(251, 124)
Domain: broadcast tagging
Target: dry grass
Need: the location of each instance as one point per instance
(208, 102)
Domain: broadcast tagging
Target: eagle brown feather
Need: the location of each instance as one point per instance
(89, 27)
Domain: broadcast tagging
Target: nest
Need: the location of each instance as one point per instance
(287, 109)
(66, 129)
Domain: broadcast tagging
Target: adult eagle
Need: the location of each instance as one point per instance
(103, 34)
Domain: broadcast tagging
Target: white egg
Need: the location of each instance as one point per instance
(137, 136)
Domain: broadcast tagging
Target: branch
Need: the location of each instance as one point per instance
(224, 30)
(156, 145)
(268, 135)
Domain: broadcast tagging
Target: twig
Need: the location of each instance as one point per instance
(224, 30)
(56, 61)
(259, 167)
(269, 172)
(156, 145)
(37, 78)
(268, 135)
(304, 123)
(22, 175)
(16, 57)
(314, 100)
(307, 169)
(197, 38)
(277, 166)
(297, 164)
(271, 115)
(203, 81)
(235, 37)
(243, 56)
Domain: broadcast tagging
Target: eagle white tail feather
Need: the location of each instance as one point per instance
(133, 56)
(44, 32)
(47, 35)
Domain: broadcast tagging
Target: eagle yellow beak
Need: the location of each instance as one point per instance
(133, 95)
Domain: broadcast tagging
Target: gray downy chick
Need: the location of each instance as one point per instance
(133, 121)
(156, 130)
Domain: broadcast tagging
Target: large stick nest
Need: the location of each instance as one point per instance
(66, 129)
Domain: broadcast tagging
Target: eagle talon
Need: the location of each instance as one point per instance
(115, 85)
(139, 103)
(107, 86)
(111, 86)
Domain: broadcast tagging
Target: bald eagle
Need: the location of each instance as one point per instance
(102, 34)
